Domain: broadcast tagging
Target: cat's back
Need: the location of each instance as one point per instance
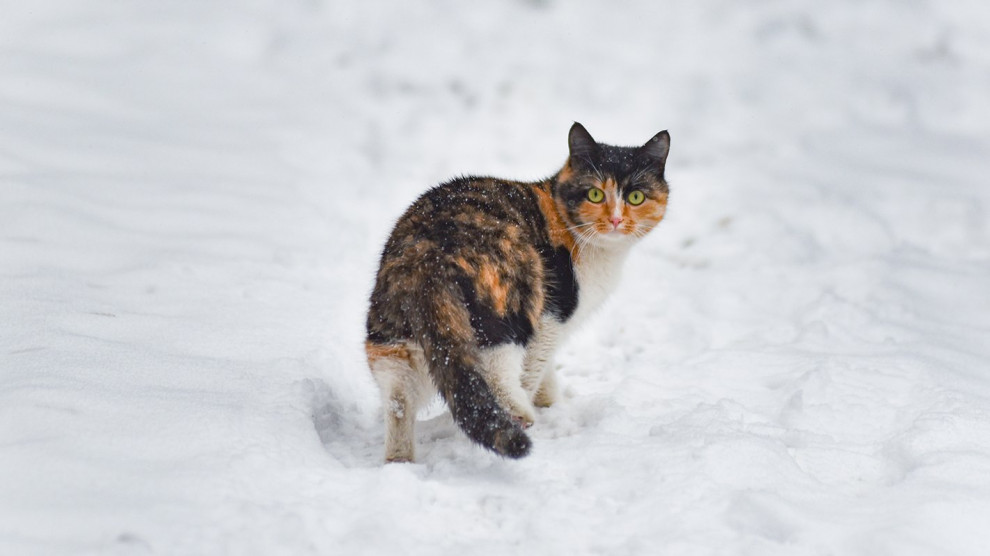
(469, 214)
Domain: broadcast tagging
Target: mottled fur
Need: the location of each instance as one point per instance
(482, 278)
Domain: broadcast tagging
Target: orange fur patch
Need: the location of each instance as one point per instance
(464, 265)
(557, 228)
(596, 213)
(376, 352)
(491, 284)
(652, 211)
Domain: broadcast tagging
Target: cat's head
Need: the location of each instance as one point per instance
(610, 196)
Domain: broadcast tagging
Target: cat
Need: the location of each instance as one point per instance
(482, 278)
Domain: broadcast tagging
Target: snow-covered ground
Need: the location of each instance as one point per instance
(193, 196)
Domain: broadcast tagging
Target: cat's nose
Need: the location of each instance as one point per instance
(616, 220)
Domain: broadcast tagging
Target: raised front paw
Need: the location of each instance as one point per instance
(523, 422)
(518, 405)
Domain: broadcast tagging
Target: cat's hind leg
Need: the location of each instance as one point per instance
(502, 367)
(402, 376)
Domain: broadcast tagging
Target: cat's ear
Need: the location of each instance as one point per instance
(580, 142)
(656, 149)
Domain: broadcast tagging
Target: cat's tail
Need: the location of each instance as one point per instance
(452, 356)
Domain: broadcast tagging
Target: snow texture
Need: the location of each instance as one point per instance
(195, 194)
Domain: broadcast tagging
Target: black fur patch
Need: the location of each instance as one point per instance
(560, 286)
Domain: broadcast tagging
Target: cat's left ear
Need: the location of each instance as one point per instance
(656, 149)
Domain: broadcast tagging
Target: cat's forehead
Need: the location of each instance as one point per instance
(616, 156)
(615, 161)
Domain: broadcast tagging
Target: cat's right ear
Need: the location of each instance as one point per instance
(580, 142)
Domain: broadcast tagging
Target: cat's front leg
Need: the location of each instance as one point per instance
(548, 392)
(539, 378)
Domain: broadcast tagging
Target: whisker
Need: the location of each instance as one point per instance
(579, 226)
(586, 237)
(582, 240)
(639, 175)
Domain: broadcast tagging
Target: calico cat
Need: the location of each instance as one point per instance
(482, 278)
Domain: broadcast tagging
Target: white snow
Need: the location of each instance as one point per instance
(194, 196)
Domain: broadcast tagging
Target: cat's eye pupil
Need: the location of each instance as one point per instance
(595, 195)
(636, 197)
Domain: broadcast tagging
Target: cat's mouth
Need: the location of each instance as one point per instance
(615, 235)
(620, 229)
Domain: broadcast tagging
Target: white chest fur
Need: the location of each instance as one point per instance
(598, 271)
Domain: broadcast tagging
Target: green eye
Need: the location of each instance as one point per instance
(596, 195)
(636, 197)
